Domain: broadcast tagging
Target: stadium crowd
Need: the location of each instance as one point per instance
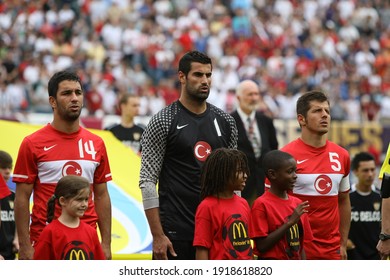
(120, 46)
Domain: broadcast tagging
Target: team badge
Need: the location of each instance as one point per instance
(137, 136)
(202, 150)
(323, 184)
(72, 168)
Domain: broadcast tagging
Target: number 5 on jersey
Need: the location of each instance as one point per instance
(334, 159)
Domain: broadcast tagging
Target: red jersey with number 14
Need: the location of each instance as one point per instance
(47, 155)
(320, 172)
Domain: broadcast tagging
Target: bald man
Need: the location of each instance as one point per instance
(256, 136)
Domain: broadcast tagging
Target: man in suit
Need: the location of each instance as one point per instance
(256, 136)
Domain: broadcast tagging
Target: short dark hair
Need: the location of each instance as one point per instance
(5, 160)
(68, 186)
(220, 170)
(303, 103)
(57, 78)
(192, 56)
(274, 160)
(362, 156)
(125, 97)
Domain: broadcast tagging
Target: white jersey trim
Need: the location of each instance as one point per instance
(310, 184)
(344, 184)
(20, 176)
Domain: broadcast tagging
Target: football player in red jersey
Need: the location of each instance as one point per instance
(323, 178)
(61, 148)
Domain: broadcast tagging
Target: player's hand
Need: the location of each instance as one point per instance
(350, 245)
(161, 245)
(26, 252)
(343, 252)
(15, 245)
(383, 248)
(107, 251)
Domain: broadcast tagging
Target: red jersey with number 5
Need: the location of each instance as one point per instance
(47, 155)
(322, 174)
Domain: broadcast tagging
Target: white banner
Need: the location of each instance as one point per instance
(136, 269)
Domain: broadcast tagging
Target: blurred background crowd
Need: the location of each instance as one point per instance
(119, 46)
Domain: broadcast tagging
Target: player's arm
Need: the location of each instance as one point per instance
(386, 219)
(22, 219)
(383, 246)
(161, 243)
(202, 253)
(103, 210)
(153, 143)
(345, 222)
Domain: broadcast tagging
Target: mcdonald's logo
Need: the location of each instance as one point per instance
(238, 229)
(76, 250)
(77, 254)
(235, 237)
(294, 232)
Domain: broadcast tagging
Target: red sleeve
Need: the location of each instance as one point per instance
(26, 168)
(203, 229)
(103, 171)
(43, 248)
(4, 190)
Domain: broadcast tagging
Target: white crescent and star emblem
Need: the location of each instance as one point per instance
(71, 168)
(323, 184)
(202, 150)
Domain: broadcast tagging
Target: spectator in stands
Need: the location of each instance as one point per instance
(154, 35)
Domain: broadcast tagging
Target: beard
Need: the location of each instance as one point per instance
(69, 115)
(72, 116)
(196, 94)
(253, 107)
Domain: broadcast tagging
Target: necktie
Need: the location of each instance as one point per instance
(253, 139)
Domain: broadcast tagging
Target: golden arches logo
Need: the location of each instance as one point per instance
(77, 254)
(294, 232)
(237, 229)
